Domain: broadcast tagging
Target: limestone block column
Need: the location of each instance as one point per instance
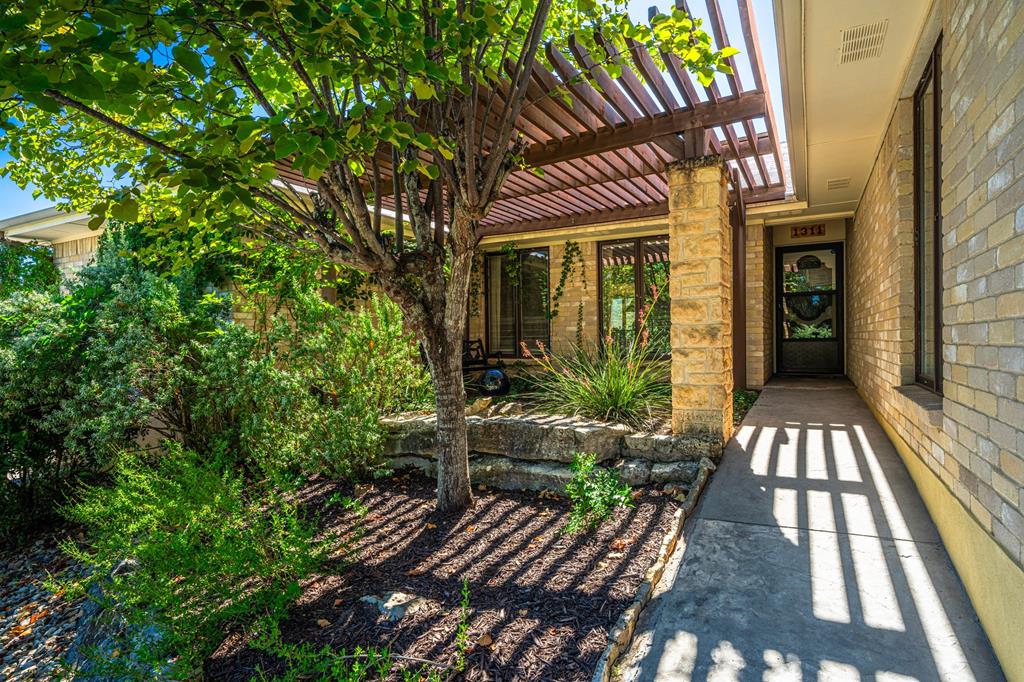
(700, 286)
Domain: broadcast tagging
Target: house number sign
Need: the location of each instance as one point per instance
(805, 231)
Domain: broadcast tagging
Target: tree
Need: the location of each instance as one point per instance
(186, 111)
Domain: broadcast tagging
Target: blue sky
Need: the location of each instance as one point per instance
(15, 201)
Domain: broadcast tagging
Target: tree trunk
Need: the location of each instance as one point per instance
(444, 352)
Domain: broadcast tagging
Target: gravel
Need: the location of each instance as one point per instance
(36, 626)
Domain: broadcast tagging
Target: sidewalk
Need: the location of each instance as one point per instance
(810, 557)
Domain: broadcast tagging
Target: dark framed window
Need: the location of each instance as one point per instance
(633, 279)
(517, 301)
(928, 225)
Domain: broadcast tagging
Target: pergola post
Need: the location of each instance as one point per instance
(700, 286)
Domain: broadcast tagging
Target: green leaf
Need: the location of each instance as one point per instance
(285, 147)
(423, 89)
(189, 60)
(729, 52)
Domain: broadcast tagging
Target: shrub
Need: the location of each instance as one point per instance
(206, 547)
(369, 347)
(595, 493)
(34, 466)
(26, 267)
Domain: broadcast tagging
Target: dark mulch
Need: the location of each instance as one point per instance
(545, 600)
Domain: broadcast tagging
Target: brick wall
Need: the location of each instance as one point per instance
(760, 295)
(973, 439)
(72, 256)
(983, 252)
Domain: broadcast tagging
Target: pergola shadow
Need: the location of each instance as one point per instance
(812, 557)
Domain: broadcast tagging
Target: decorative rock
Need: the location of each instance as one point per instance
(395, 605)
(478, 406)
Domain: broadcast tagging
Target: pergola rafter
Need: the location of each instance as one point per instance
(598, 145)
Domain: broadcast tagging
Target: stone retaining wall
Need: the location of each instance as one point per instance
(533, 451)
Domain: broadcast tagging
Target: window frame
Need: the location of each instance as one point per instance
(638, 277)
(517, 326)
(931, 76)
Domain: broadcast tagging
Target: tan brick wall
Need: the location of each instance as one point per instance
(72, 256)
(700, 290)
(760, 295)
(975, 442)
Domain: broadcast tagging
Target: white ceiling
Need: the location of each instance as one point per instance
(837, 113)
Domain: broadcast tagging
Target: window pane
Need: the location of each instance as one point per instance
(811, 270)
(501, 321)
(808, 316)
(655, 288)
(926, 361)
(533, 297)
(618, 290)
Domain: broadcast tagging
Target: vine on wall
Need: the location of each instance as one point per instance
(573, 269)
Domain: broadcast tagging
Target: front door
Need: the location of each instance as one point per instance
(809, 309)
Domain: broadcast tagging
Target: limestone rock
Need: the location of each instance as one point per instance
(478, 407)
(395, 605)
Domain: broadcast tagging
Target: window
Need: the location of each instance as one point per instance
(516, 292)
(622, 284)
(928, 227)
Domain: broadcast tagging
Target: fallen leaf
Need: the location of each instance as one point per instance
(470, 529)
(522, 612)
(419, 570)
(620, 543)
(431, 525)
(616, 555)
(337, 603)
(485, 640)
(323, 622)
(481, 487)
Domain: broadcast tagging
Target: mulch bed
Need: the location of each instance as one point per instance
(541, 602)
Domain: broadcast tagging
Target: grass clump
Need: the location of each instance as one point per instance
(595, 493)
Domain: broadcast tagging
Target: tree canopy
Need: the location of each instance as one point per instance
(183, 112)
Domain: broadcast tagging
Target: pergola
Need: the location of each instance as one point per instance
(603, 151)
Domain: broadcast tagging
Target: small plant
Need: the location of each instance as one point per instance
(742, 401)
(595, 493)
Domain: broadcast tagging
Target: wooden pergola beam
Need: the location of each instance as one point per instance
(702, 115)
(578, 219)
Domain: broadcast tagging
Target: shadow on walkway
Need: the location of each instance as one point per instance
(810, 557)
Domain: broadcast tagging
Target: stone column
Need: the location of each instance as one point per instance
(700, 249)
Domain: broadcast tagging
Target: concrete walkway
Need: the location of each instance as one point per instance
(810, 557)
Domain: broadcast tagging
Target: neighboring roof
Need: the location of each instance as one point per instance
(844, 65)
(603, 151)
(47, 225)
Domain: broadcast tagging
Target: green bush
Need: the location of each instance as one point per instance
(206, 547)
(35, 468)
(595, 493)
(26, 267)
(131, 350)
(369, 347)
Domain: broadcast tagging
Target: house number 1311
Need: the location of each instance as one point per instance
(804, 231)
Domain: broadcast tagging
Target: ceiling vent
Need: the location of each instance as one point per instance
(837, 183)
(858, 43)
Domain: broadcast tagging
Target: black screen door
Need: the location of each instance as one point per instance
(809, 309)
